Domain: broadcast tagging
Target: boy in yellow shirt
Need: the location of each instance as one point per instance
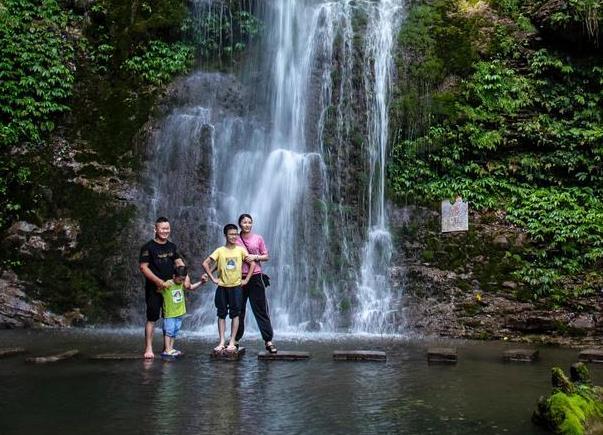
(229, 295)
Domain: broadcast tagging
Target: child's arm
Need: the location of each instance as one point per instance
(195, 285)
(207, 265)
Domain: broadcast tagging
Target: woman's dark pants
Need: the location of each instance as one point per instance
(255, 292)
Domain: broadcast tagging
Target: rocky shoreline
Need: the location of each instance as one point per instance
(478, 298)
(18, 310)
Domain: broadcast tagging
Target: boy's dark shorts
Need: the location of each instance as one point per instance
(154, 302)
(228, 301)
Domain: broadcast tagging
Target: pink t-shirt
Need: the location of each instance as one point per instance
(255, 246)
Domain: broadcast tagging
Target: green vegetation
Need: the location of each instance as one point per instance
(78, 80)
(223, 29)
(514, 126)
(573, 407)
(36, 78)
(159, 62)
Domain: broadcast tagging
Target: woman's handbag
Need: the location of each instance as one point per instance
(265, 280)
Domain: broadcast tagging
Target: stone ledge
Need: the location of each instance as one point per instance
(52, 358)
(283, 355)
(591, 355)
(520, 355)
(117, 356)
(228, 356)
(359, 355)
(11, 351)
(442, 355)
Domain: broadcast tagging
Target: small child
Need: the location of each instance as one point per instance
(229, 296)
(174, 308)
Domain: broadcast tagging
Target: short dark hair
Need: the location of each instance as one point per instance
(228, 227)
(161, 219)
(180, 272)
(243, 216)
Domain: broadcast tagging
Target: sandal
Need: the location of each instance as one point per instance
(271, 348)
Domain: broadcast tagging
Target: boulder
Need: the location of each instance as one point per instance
(571, 408)
(501, 241)
(17, 310)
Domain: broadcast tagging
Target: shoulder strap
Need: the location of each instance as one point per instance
(246, 246)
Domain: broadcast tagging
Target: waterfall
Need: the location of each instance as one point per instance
(377, 307)
(298, 140)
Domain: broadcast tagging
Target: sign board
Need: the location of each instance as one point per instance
(455, 217)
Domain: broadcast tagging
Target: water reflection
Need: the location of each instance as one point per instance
(198, 395)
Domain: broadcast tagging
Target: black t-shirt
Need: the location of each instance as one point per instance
(161, 258)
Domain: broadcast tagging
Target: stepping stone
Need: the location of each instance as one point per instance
(591, 355)
(442, 355)
(229, 356)
(520, 355)
(283, 355)
(11, 351)
(359, 355)
(117, 356)
(52, 358)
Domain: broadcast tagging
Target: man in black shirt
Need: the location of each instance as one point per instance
(158, 258)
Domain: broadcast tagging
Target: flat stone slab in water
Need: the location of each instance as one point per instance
(359, 355)
(283, 355)
(11, 351)
(445, 355)
(591, 355)
(229, 356)
(520, 355)
(52, 358)
(118, 356)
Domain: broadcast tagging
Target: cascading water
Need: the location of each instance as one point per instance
(291, 150)
(377, 306)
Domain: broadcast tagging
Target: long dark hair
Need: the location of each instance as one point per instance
(243, 216)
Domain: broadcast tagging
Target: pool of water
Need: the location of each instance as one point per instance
(479, 395)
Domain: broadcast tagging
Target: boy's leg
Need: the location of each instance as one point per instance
(154, 301)
(169, 332)
(234, 326)
(235, 297)
(241, 329)
(259, 306)
(221, 332)
(166, 343)
(177, 326)
(221, 307)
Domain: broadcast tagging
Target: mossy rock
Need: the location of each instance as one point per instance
(571, 408)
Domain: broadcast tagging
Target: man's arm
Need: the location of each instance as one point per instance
(207, 266)
(146, 271)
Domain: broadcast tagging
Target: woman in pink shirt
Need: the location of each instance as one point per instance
(255, 290)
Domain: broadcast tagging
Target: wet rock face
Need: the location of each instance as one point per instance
(458, 285)
(17, 310)
(30, 240)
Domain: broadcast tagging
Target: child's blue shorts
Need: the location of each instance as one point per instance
(171, 326)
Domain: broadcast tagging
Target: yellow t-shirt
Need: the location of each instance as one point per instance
(230, 265)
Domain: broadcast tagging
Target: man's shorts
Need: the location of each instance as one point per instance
(228, 300)
(171, 326)
(154, 302)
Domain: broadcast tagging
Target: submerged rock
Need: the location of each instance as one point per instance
(573, 407)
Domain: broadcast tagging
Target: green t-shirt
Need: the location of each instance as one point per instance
(173, 300)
